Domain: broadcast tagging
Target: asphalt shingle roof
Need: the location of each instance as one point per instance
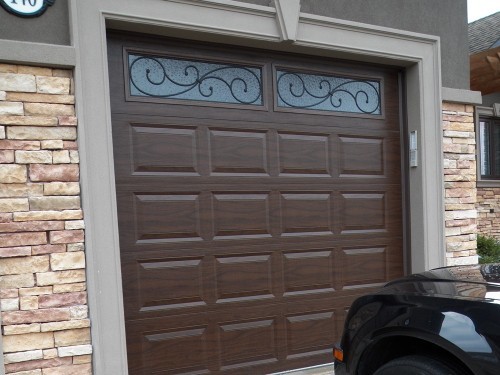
(484, 33)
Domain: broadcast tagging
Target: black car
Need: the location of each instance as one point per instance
(444, 321)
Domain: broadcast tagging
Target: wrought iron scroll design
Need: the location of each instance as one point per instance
(328, 93)
(165, 77)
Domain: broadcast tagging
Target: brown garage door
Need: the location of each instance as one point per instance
(258, 194)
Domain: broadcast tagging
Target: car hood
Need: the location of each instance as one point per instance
(471, 282)
(483, 273)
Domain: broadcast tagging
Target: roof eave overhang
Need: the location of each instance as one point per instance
(485, 71)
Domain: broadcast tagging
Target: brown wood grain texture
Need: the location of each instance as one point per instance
(485, 71)
(246, 232)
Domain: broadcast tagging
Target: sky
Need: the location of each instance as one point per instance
(477, 9)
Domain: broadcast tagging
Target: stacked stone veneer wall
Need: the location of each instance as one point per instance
(488, 208)
(43, 299)
(459, 145)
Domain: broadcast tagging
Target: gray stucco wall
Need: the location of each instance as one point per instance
(489, 100)
(52, 27)
(444, 18)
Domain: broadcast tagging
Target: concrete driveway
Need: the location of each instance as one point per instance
(316, 370)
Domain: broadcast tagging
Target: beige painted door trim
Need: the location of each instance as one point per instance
(232, 22)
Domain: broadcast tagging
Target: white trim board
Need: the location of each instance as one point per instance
(243, 24)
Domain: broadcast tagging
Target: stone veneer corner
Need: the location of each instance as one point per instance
(459, 159)
(488, 207)
(43, 297)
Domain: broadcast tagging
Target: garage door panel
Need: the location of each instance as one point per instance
(180, 346)
(170, 218)
(228, 342)
(303, 154)
(361, 156)
(363, 211)
(364, 266)
(248, 343)
(161, 284)
(170, 284)
(250, 338)
(246, 232)
(174, 151)
(372, 265)
(265, 334)
(157, 349)
(239, 152)
(241, 215)
(309, 328)
(161, 152)
(306, 213)
(308, 271)
(166, 285)
(368, 158)
(296, 124)
(166, 149)
(310, 333)
(244, 278)
(167, 216)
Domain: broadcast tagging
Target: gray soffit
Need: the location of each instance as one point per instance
(484, 33)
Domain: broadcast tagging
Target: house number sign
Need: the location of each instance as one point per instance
(26, 8)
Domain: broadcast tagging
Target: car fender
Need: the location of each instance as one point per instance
(434, 340)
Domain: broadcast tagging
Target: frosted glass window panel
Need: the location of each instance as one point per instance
(328, 93)
(164, 77)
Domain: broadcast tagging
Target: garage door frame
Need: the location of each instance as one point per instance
(225, 21)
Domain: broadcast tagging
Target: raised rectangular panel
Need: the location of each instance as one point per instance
(190, 354)
(306, 213)
(167, 217)
(308, 272)
(241, 215)
(248, 343)
(169, 284)
(303, 154)
(364, 266)
(309, 333)
(238, 152)
(363, 212)
(244, 277)
(361, 156)
(165, 149)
